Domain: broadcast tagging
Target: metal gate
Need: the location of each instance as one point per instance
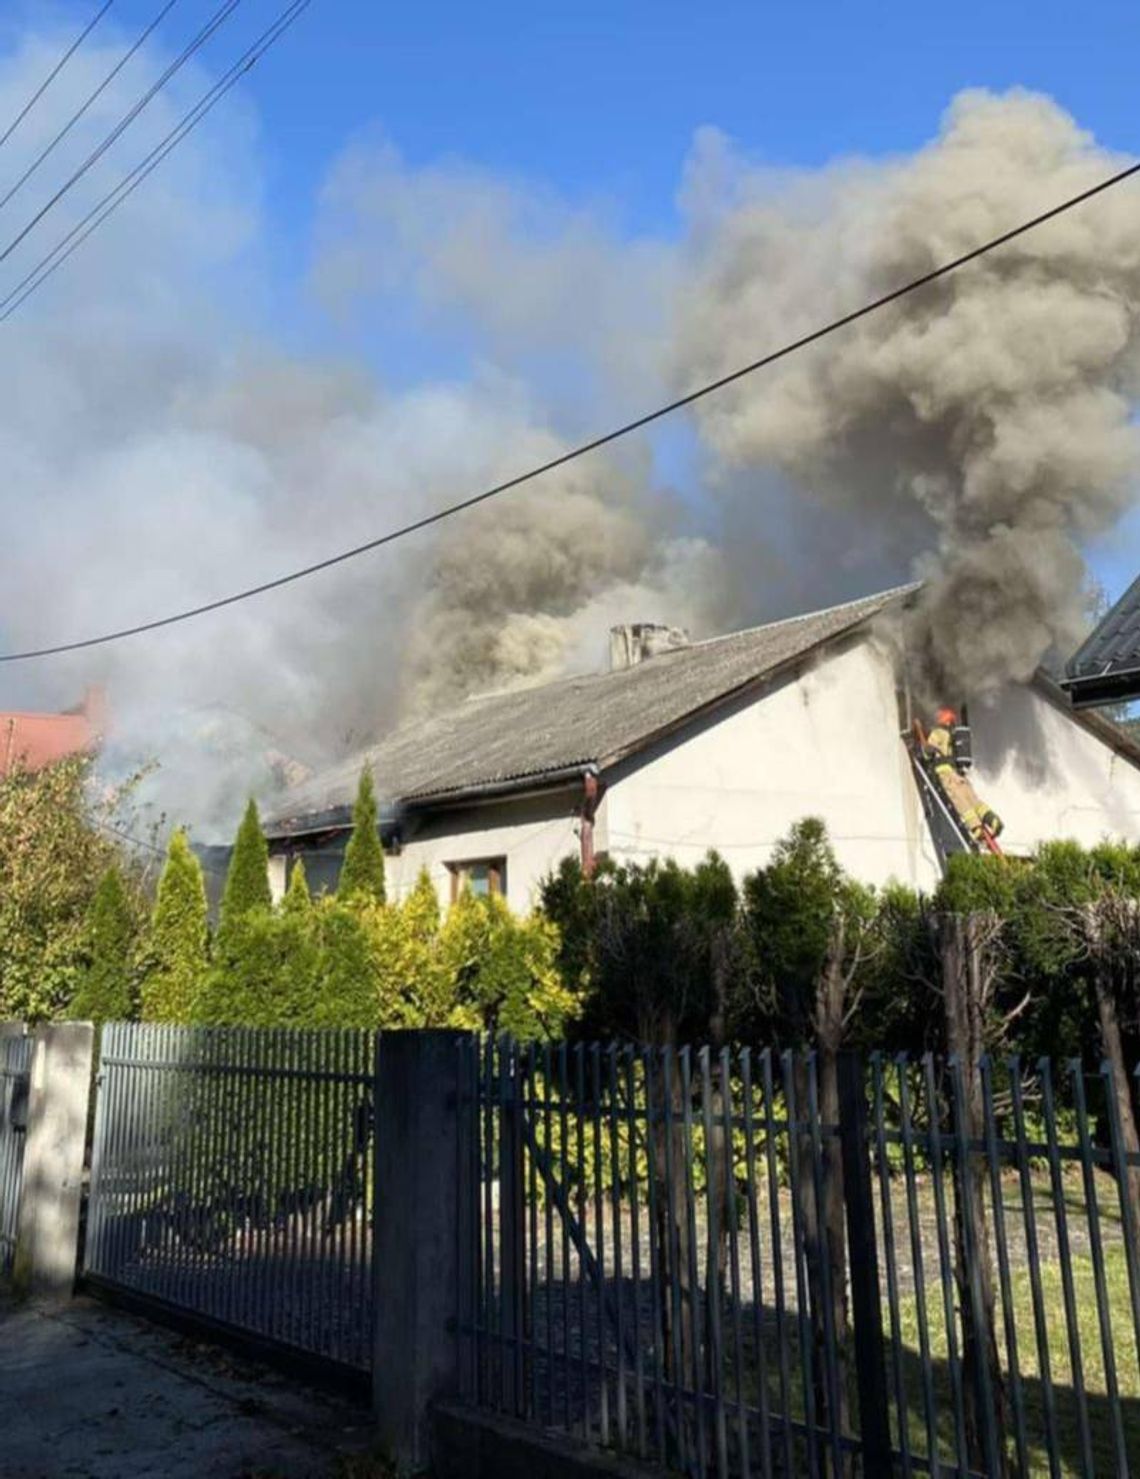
(231, 1179)
(15, 1067)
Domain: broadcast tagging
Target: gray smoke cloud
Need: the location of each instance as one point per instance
(978, 432)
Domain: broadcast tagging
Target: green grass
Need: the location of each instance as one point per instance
(1060, 1365)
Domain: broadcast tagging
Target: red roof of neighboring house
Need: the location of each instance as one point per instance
(32, 741)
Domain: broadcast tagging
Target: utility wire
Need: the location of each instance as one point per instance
(159, 852)
(54, 73)
(584, 447)
(130, 182)
(195, 44)
(92, 97)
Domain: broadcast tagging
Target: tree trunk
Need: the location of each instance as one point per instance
(1113, 1046)
(965, 989)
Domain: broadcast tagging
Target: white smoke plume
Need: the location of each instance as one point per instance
(159, 453)
(980, 430)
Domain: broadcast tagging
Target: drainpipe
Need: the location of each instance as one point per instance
(590, 798)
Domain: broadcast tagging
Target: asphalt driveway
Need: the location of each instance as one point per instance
(88, 1392)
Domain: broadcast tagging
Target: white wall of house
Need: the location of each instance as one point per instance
(1047, 777)
(532, 833)
(823, 744)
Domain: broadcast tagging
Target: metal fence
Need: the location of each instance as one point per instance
(231, 1178)
(15, 1066)
(742, 1263)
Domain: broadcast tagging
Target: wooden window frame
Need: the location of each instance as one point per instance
(496, 874)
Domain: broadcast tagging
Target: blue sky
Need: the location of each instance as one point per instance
(603, 99)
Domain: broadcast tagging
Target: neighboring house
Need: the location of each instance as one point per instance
(33, 741)
(719, 744)
(1105, 669)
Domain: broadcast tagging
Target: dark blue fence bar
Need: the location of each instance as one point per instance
(670, 1253)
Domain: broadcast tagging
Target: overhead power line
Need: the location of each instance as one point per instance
(194, 45)
(647, 419)
(110, 202)
(87, 102)
(54, 73)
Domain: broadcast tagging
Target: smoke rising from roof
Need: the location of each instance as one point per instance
(159, 452)
(982, 428)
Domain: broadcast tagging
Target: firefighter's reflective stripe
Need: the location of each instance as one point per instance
(976, 817)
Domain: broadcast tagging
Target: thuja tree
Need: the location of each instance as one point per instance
(501, 970)
(178, 938)
(247, 878)
(362, 872)
(108, 983)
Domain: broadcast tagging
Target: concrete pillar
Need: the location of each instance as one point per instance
(416, 1238)
(47, 1235)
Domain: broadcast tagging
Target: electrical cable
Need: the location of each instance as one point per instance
(219, 17)
(647, 419)
(92, 97)
(130, 182)
(152, 847)
(54, 73)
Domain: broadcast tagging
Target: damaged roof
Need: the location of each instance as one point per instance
(1106, 667)
(596, 719)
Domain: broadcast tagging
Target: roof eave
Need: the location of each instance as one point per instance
(1089, 718)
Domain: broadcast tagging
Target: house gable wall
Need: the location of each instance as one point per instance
(824, 742)
(1048, 777)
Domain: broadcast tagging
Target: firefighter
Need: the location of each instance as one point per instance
(940, 752)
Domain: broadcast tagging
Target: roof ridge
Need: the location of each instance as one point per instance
(768, 626)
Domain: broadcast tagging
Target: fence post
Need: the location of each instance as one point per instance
(866, 1309)
(418, 1222)
(47, 1235)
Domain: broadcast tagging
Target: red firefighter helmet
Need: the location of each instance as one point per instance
(946, 717)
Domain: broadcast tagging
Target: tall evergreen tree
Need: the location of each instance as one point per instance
(362, 872)
(247, 878)
(298, 900)
(106, 988)
(178, 937)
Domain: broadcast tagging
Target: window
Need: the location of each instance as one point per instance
(482, 876)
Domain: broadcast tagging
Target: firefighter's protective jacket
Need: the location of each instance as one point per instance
(976, 817)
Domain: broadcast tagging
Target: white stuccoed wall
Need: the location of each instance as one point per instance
(826, 744)
(532, 833)
(1048, 777)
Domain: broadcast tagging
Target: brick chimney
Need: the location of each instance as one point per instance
(634, 642)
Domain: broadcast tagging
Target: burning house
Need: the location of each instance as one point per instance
(723, 743)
